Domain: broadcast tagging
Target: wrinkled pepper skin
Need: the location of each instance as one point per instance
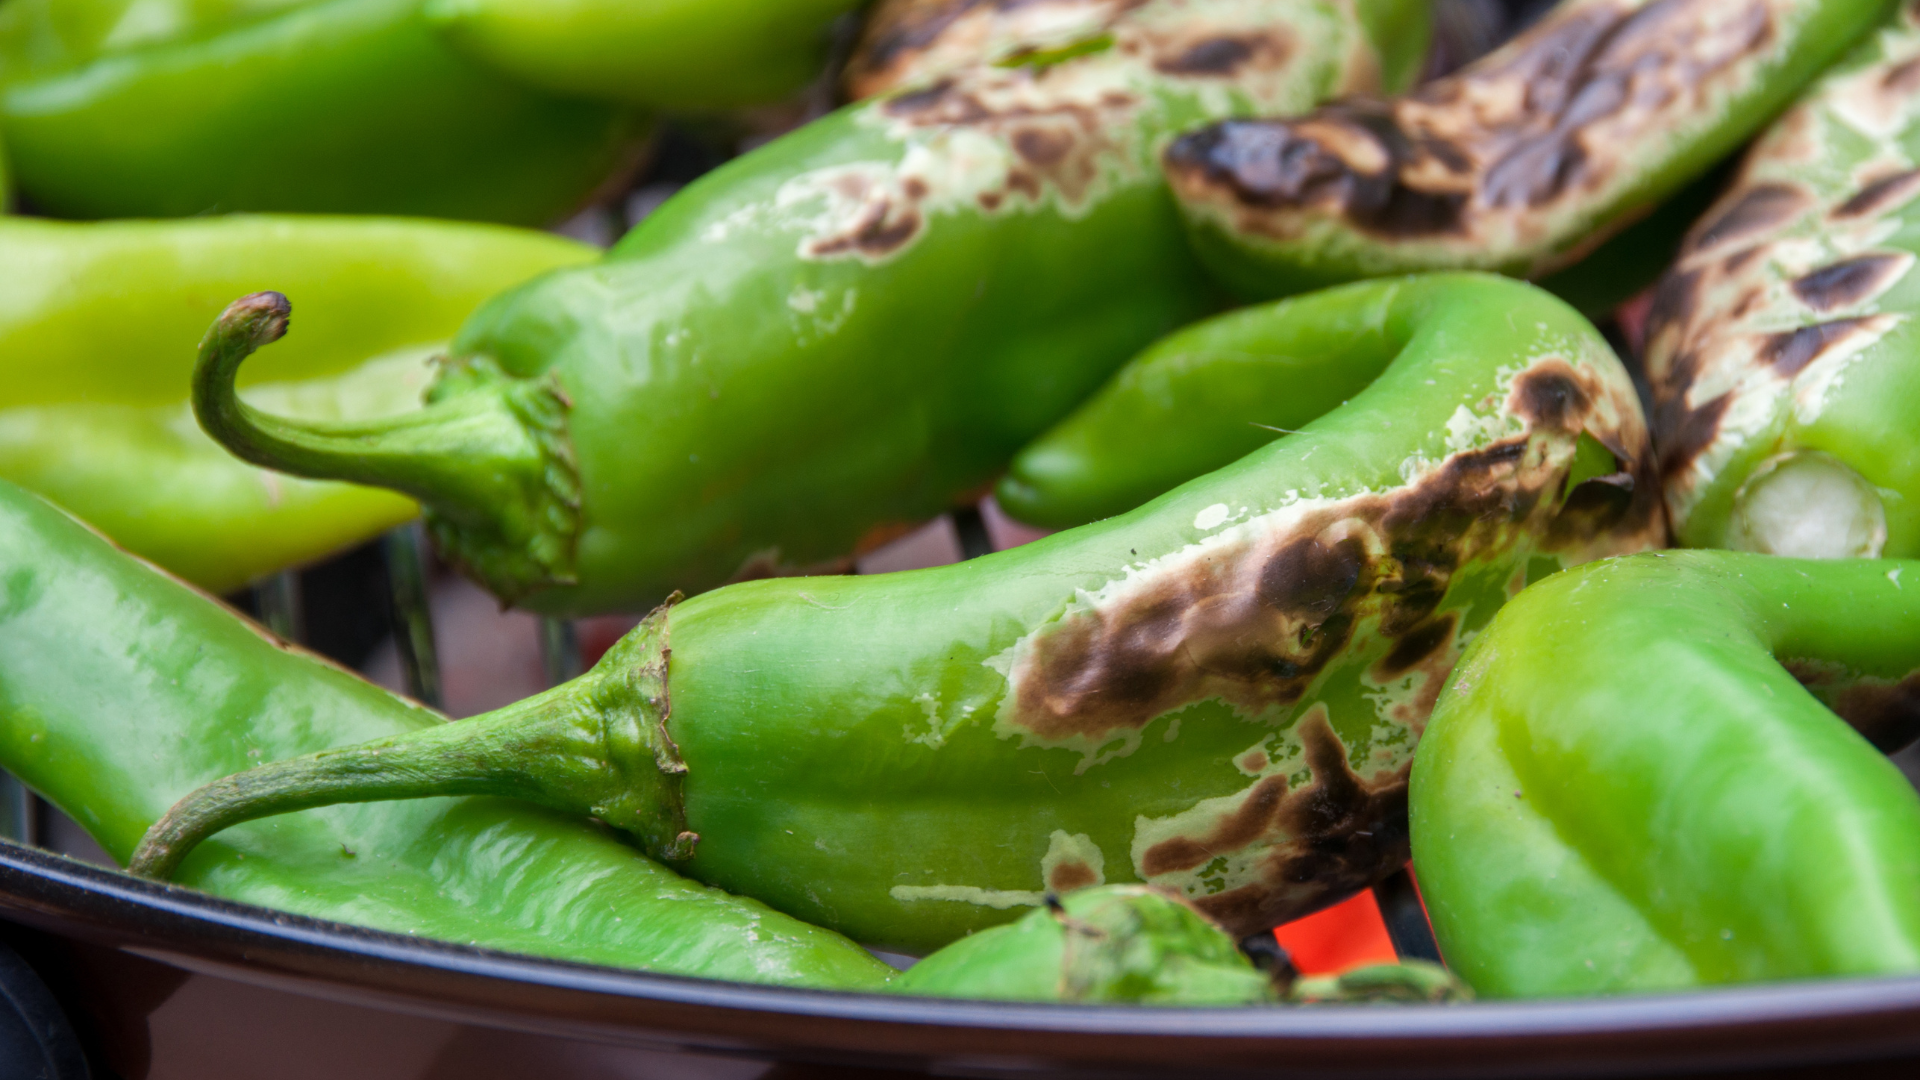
(676, 54)
(121, 688)
(1521, 163)
(1636, 779)
(1781, 348)
(1115, 943)
(173, 108)
(839, 334)
(98, 328)
(1217, 694)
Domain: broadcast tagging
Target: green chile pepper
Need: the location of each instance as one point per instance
(1217, 694)
(682, 54)
(1704, 817)
(1781, 349)
(1129, 943)
(98, 324)
(835, 335)
(1521, 163)
(170, 108)
(120, 688)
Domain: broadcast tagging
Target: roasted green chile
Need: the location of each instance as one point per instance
(1636, 779)
(98, 328)
(121, 688)
(1115, 943)
(841, 333)
(1781, 348)
(170, 108)
(681, 54)
(1217, 694)
(1521, 163)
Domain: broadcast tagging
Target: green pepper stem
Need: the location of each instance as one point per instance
(597, 745)
(491, 461)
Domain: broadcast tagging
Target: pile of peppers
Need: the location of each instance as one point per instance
(1369, 542)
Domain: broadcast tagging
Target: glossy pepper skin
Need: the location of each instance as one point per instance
(1521, 163)
(121, 688)
(98, 328)
(1217, 693)
(1115, 943)
(677, 54)
(836, 335)
(1781, 351)
(1636, 779)
(171, 108)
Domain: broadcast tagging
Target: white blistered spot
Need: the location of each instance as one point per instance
(1212, 517)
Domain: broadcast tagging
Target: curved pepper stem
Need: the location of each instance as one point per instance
(489, 459)
(597, 745)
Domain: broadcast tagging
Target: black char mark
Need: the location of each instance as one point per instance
(1790, 351)
(1425, 165)
(1213, 56)
(1762, 208)
(1881, 195)
(1850, 281)
(1338, 834)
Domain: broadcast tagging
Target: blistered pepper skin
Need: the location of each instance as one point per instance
(1523, 162)
(174, 109)
(1636, 780)
(842, 333)
(125, 688)
(1217, 693)
(1781, 347)
(98, 328)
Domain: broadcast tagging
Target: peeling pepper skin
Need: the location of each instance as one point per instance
(1706, 818)
(175, 108)
(1216, 694)
(834, 336)
(1781, 347)
(1522, 163)
(98, 324)
(120, 688)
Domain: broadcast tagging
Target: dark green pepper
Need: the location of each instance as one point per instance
(1781, 349)
(1635, 779)
(98, 324)
(840, 333)
(169, 108)
(120, 688)
(1218, 693)
(1521, 163)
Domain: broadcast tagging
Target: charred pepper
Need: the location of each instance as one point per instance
(1636, 780)
(839, 334)
(1781, 347)
(171, 108)
(1521, 163)
(1218, 693)
(98, 324)
(120, 688)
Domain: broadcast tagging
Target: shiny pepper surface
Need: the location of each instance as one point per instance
(98, 328)
(1781, 348)
(1218, 693)
(121, 688)
(1521, 163)
(839, 334)
(170, 108)
(1636, 780)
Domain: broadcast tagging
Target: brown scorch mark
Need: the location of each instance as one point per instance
(1790, 351)
(1069, 876)
(1850, 282)
(1327, 839)
(1256, 623)
(1886, 712)
(1881, 195)
(1553, 114)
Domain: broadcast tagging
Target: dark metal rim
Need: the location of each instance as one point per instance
(184, 922)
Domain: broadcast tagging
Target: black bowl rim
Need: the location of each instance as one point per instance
(1774, 1024)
